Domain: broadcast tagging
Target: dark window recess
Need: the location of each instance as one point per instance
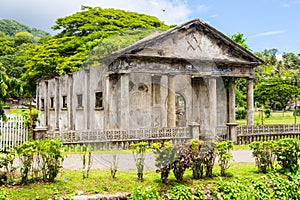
(79, 100)
(52, 102)
(99, 99)
(64, 99)
(42, 104)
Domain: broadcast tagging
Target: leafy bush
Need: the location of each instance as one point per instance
(224, 154)
(202, 158)
(164, 157)
(264, 155)
(287, 151)
(241, 113)
(267, 113)
(41, 159)
(181, 161)
(181, 192)
(6, 163)
(148, 193)
(138, 152)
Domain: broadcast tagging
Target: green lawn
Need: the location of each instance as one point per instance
(69, 183)
(275, 118)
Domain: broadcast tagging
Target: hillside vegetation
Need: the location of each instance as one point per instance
(11, 27)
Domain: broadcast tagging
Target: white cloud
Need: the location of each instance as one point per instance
(268, 33)
(213, 16)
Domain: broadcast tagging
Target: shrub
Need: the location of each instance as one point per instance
(6, 163)
(202, 158)
(267, 113)
(264, 155)
(182, 161)
(148, 193)
(41, 159)
(224, 154)
(164, 157)
(138, 152)
(241, 113)
(180, 192)
(287, 151)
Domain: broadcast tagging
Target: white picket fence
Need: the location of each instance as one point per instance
(13, 132)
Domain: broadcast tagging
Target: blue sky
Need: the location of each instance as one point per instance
(265, 23)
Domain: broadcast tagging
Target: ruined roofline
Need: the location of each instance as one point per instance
(187, 60)
(154, 38)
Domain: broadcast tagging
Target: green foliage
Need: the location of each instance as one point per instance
(182, 161)
(86, 162)
(202, 157)
(3, 89)
(103, 21)
(11, 27)
(40, 159)
(26, 117)
(181, 192)
(274, 90)
(148, 193)
(6, 163)
(164, 157)
(240, 113)
(264, 155)
(224, 154)
(287, 151)
(82, 32)
(240, 39)
(197, 155)
(138, 151)
(267, 113)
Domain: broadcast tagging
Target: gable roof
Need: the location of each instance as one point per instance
(206, 42)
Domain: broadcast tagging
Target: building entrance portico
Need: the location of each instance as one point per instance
(183, 76)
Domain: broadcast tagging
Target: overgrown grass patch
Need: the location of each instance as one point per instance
(70, 182)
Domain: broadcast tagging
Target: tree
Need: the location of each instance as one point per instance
(240, 97)
(80, 34)
(240, 39)
(275, 90)
(3, 89)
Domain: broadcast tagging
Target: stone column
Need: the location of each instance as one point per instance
(124, 122)
(107, 102)
(231, 102)
(70, 101)
(213, 102)
(57, 103)
(156, 101)
(87, 99)
(46, 105)
(171, 107)
(250, 103)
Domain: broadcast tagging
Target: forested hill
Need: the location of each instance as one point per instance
(11, 27)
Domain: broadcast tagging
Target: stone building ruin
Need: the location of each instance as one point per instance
(182, 76)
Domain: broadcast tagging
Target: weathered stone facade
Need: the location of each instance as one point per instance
(175, 78)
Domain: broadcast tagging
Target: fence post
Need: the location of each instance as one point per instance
(232, 132)
(39, 133)
(194, 130)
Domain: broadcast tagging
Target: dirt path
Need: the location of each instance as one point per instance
(126, 161)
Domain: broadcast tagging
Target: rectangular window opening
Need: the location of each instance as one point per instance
(99, 100)
(79, 101)
(42, 104)
(52, 102)
(64, 99)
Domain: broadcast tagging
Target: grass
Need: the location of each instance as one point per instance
(275, 118)
(69, 183)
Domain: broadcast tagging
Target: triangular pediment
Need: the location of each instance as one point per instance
(194, 40)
